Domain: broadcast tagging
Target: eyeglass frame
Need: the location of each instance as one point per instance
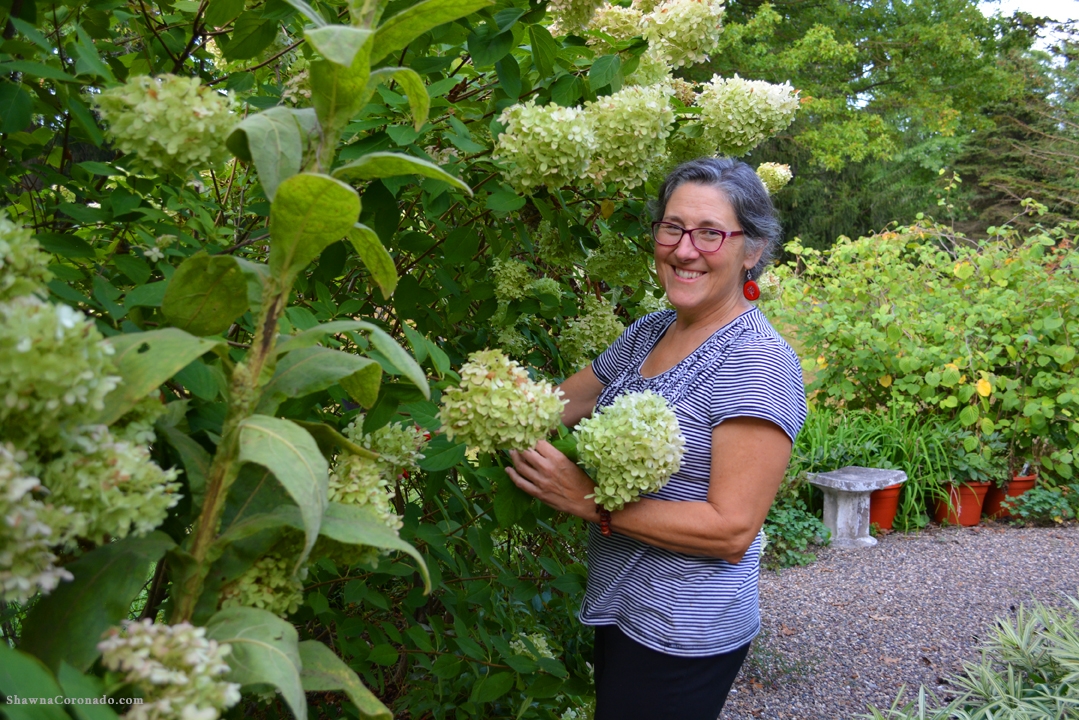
(723, 233)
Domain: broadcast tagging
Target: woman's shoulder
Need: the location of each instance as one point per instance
(758, 343)
(646, 329)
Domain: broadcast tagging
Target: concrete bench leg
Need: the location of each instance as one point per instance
(847, 515)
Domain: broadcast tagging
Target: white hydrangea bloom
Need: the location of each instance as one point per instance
(28, 527)
(632, 446)
(399, 446)
(360, 481)
(774, 176)
(591, 333)
(617, 262)
(538, 640)
(55, 369)
(684, 32)
(631, 128)
(497, 406)
(178, 670)
(513, 279)
(544, 145)
(269, 584)
(739, 114)
(644, 6)
(618, 22)
(571, 16)
(23, 264)
(169, 122)
(546, 286)
(113, 484)
(651, 69)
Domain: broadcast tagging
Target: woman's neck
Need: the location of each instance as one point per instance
(708, 320)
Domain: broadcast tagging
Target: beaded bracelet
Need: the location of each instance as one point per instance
(604, 520)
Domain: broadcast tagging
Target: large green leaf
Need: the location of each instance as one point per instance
(389, 164)
(67, 624)
(337, 92)
(77, 685)
(312, 336)
(309, 370)
(26, 677)
(272, 139)
(375, 258)
(362, 385)
(544, 49)
(309, 213)
(205, 294)
(329, 440)
(265, 651)
(308, 12)
(340, 43)
(251, 34)
(353, 525)
(411, 82)
(291, 454)
(145, 360)
(194, 457)
(511, 503)
(324, 671)
(404, 27)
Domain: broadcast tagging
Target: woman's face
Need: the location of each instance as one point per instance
(695, 282)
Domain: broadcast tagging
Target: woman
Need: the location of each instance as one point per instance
(672, 590)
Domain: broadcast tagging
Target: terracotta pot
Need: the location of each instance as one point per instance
(966, 508)
(1016, 487)
(882, 505)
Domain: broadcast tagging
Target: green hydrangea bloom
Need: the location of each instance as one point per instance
(617, 263)
(55, 370)
(399, 446)
(632, 446)
(544, 145)
(360, 481)
(553, 250)
(179, 672)
(684, 32)
(652, 69)
(737, 114)
(28, 528)
(23, 264)
(589, 334)
(774, 176)
(539, 642)
(546, 286)
(137, 424)
(498, 407)
(512, 342)
(650, 303)
(268, 584)
(170, 122)
(620, 23)
(112, 484)
(631, 128)
(513, 279)
(571, 16)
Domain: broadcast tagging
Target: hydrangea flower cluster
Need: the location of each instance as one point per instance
(616, 263)
(620, 23)
(550, 248)
(512, 342)
(571, 15)
(268, 584)
(589, 334)
(399, 446)
(546, 286)
(55, 369)
(544, 145)
(27, 530)
(23, 266)
(684, 32)
(538, 640)
(631, 129)
(650, 303)
(739, 114)
(774, 176)
(177, 669)
(497, 406)
(359, 481)
(113, 485)
(513, 279)
(684, 90)
(652, 69)
(632, 446)
(169, 122)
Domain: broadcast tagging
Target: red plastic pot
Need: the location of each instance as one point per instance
(882, 505)
(993, 498)
(966, 508)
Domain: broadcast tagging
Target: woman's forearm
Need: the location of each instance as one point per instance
(694, 528)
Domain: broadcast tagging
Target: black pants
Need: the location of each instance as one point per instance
(634, 682)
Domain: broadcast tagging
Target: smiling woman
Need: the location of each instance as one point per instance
(672, 589)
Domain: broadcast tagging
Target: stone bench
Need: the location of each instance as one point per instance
(846, 501)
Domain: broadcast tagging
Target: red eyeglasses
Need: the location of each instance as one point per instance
(706, 240)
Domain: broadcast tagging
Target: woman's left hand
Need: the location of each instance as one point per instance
(545, 473)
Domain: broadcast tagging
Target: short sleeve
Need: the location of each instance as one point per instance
(762, 379)
(638, 337)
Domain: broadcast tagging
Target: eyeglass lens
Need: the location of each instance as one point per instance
(704, 239)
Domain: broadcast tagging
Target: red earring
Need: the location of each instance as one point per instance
(751, 290)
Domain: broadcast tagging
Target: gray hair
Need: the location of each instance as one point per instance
(746, 194)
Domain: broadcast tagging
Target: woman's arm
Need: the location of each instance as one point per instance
(582, 389)
(749, 459)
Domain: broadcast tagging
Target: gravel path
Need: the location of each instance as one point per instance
(854, 626)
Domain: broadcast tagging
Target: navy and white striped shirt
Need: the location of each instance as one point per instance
(671, 602)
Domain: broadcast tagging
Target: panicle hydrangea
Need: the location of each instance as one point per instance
(551, 249)
(23, 264)
(178, 670)
(651, 70)
(544, 145)
(650, 303)
(513, 279)
(269, 584)
(28, 527)
(684, 91)
(113, 484)
(631, 128)
(512, 342)
(55, 369)
(571, 16)
(538, 640)
(616, 263)
(546, 286)
(739, 114)
(589, 334)
(774, 176)
(399, 446)
(684, 32)
(771, 286)
(169, 122)
(441, 156)
(497, 406)
(360, 481)
(137, 424)
(616, 21)
(644, 6)
(632, 446)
